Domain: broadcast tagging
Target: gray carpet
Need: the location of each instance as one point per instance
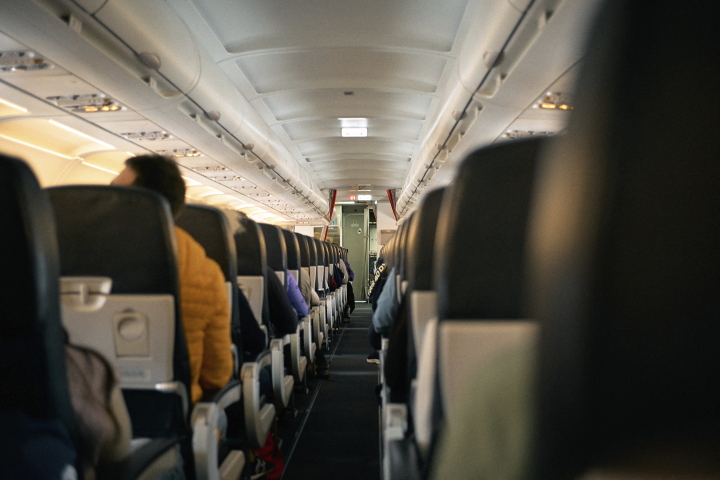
(335, 435)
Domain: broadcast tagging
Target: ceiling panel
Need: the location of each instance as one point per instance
(333, 103)
(249, 25)
(330, 127)
(355, 145)
(342, 68)
(378, 165)
(358, 157)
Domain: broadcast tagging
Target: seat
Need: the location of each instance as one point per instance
(627, 294)
(318, 332)
(478, 283)
(304, 273)
(277, 263)
(298, 359)
(321, 281)
(35, 383)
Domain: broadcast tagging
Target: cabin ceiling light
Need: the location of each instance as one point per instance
(35, 147)
(364, 198)
(354, 132)
(80, 134)
(189, 182)
(11, 107)
(100, 168)
(211, 191)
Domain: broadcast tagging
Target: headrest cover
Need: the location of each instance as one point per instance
(32, 352)
(320, 251)
(211, 229)
(275, 245)
(304, 250)
(250, 249)
(312, 249)
(421, 241)
(292, 248)
(625, 246)
(124, 233)
(480, 242)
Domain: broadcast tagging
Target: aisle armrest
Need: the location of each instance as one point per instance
(150, 460)
(308, 344)
(205, 428)
(258, 416)
(282, 384)
(298, 361)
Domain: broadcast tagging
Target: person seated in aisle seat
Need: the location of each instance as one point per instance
(102, 417)
(345, 281)
(296, 297)
(308, 293)
(283, 317)
(376, 290)
(203, 296)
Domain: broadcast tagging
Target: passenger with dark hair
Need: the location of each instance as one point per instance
(203, 297)
(283, 317)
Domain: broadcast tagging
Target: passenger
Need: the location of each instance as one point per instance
(296, 297)
(203, 296)
(103, 420)
(308, 293)
(350, 306)
(376, 291)
(283, 317)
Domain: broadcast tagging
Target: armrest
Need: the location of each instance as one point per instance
(308, 346)
(282, 384)
(236, 361)
(267, 335)
(258, 418)
(153, 458)
(298, 361)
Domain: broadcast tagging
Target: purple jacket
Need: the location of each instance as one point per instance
(296, 298)
(351, 274)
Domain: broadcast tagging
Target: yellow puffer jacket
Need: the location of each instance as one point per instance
(206, 316)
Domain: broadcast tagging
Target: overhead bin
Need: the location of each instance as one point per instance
(152, 28)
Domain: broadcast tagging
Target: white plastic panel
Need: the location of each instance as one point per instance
(254, 290)
(465, 346)
(423, 306)
(134, 332)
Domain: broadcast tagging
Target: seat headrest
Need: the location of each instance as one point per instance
(421, 241)
(625, 244)
(211, 229)
(320, 252)
(250, 249)
(480, 240)
(292, 248)
(304, 250)
(124, 233)
(32, 349)
(312, 250)
(275, 245)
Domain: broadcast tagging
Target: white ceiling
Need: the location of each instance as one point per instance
(296, 61)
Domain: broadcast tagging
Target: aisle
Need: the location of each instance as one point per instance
(339, 439)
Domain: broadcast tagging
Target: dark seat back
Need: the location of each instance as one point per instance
(127, 234)
(32, 351)
(292, 248)
(479, 264)
(210, 228)
(252, 262)
(276, 250)
(625, 258)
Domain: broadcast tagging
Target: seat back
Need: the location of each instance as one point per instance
(292, 248)
(211, 229)
(625, 265)
(276, 250)
(313, 257)
(120, 296)
(320, 276)
(32, 350)
(478, 283)
(252, 267)
(420, 250)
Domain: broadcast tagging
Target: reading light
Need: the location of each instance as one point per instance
(547, 106)
(354, 132)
